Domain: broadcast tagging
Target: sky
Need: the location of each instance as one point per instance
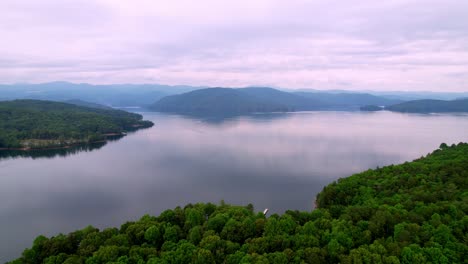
(411, 45)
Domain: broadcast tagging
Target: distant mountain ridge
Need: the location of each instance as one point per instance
(351, 101)
(144, 95)
(261, 99)
(218, 101)
(116, 95)
(430, 106)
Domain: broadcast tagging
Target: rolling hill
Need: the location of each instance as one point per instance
(430, 106)
(233, 101)
(348, 101)
(144, 95)
(291, 100)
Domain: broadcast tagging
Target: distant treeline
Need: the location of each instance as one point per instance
(35, 123)
(409, 213)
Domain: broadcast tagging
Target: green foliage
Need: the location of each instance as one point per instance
(409, 213)
(39, 124)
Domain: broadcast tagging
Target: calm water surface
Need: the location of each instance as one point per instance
(276, 161)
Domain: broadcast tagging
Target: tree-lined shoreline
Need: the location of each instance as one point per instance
(414, 212)
(36, 124)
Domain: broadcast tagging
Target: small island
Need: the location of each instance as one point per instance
(409, 213)
(36, 124)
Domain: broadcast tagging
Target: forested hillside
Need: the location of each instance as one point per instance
(430, 106)
(38, 124)
(409, 213)
(348, 101)
(216, 101)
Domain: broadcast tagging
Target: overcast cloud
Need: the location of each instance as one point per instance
(380, 45)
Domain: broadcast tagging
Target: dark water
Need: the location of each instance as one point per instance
(277, 161)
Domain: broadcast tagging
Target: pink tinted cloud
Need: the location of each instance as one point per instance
(398, 45)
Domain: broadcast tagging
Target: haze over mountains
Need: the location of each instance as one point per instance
(203, 100)
(117, 95)
(430, 106)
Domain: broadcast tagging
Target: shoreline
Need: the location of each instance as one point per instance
(67, 146)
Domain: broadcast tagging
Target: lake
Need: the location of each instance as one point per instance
(275, 161)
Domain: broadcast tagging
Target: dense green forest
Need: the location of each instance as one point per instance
(36, 124)
(409, 213)
(430, 106)
(371, 108)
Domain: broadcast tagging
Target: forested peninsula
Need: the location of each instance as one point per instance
(36, 124)
(409, 213)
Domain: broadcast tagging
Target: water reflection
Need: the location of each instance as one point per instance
(277, 161)
(55, 152)
(49, 153)
(222, 119)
